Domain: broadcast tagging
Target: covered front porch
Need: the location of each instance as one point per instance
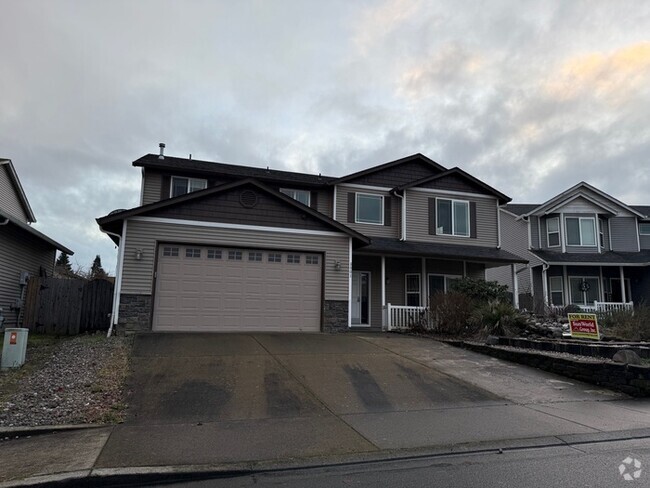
(392, 281)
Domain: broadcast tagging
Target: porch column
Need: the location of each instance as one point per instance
(622, 273)
(545, 285)
(567, 292)
(383, 292)
(423, 284)
(602, 284)
(515, 286)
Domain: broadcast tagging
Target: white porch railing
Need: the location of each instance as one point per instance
(599, 307)
(399, 317)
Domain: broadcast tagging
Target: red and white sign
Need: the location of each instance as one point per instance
(13, 337)
(584, 326)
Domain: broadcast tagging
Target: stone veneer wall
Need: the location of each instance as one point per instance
(135, 314)
(335, 316)
(630, 379)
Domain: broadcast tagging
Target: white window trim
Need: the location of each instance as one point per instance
(644, 233)
(453, 230)
(294, 190)
(407, 293)
(559, 240)
(571, 277)
(189, 184)
(551, 290)
(601, 233)
(580, 219)
(446, 277)
(356, 208)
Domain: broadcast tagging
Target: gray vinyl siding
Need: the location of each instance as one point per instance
(624, 234)
(138, 275)
(324, 203)
(367, 229)
(582, 206)
(397, 175)
(9, 200)
(534, 232)
(152, 187)
(417, 220)
(19, 251)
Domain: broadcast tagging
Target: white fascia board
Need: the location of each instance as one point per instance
(364, 187)
(223, 225)
(449, 192)
(551, 263)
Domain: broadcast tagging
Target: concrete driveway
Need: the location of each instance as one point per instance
(219, 398)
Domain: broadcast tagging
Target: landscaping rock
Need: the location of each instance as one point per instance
(626, 356)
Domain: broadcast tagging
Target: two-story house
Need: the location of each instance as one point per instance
(24, 251)
(584, 247)
(221, 247)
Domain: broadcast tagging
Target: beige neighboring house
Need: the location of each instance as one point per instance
(24, 251)
(226, 248)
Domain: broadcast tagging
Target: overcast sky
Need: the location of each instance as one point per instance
(532, 97)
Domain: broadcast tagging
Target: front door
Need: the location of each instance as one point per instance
(360, 298)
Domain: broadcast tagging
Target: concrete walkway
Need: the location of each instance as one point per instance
(241, 400)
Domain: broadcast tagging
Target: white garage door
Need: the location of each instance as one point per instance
(220, 289)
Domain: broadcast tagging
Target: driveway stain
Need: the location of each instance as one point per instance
(443, 389)
(196, 400)
(367, 389)
(281, 401)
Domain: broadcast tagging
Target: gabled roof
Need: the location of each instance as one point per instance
(19, 189)
(39, 235)
(459, 172)
(124, 214)
(568, 195)
(520, 208)
(644, 209)
(391, 164)
(609, 258)
(207, 168)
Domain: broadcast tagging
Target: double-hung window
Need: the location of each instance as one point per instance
(369, 209)
(553, 231)
(412, 289)
(181, 186)
(580, 231)
(644, 229)
(601, 232)
(452, 217)
(303, 196)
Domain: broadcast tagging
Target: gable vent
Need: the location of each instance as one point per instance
(248, 198)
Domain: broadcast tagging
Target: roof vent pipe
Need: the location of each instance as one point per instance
(162, 150)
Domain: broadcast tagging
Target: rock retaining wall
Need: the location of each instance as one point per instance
(633, 380)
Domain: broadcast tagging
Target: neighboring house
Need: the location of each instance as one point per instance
(220, 247)
(24, 251)
(583, 246)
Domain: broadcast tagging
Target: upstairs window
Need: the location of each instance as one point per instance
(553, 232)
(452, 217)
(303, 196)
(644, 229)
(580, 231)
(181, 186)
(369, 209)
(601, 232)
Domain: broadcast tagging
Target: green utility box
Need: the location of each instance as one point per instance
(14, 348)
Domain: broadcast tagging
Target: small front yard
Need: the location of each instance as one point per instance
(67, 380)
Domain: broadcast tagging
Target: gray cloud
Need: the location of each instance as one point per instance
(532, 97)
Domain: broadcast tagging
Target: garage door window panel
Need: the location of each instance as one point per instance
(214, 254)
(192, 252)
(255, 256)
(235, 255)
(170, 252)
(293, 258)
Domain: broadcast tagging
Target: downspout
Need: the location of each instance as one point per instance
(118, 274)
(545, 267)
(498, 225)
(403, 216)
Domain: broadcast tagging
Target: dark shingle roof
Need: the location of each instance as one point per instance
(385, 245)
(606, 258)
(170, 163)
(644, 209)
(520, 208)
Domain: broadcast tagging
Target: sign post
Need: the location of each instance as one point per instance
(584, 326)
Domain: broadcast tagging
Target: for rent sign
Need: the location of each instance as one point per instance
(584, 325)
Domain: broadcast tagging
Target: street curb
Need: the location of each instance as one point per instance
(147, 475)
(13, 432)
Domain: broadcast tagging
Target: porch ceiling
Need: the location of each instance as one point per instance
(609, 258)
(488, 255)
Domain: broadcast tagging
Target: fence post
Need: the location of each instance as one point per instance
(388, 316)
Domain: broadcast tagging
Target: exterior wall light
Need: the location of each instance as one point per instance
(337, 265)
(138, 254)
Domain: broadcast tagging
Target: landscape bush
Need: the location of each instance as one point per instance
(629, 325)
(450, 312)
(480, 290)
(497, 318)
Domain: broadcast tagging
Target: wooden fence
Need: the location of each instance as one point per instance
(67, 307)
